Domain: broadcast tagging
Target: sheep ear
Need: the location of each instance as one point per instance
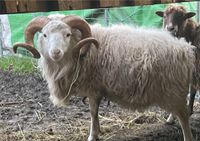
(160, 13)
(77, 34)
(189, 15)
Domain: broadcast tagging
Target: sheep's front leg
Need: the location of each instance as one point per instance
(94, 126)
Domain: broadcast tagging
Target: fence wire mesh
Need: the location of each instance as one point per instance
(136, 15)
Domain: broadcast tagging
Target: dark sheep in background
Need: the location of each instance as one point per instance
(178, 22)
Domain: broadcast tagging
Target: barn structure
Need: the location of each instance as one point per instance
(19, 6)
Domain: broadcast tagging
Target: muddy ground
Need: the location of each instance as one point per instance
(27, 114)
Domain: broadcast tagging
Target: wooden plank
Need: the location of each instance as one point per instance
(75, 4)
(32, 5)
(3, 7)
(35, 5)
(19, 6)
(22, 5)
(52, 5)
(166, 1)
(173, 1)
(184, 0)
(11, 6)
(111, 3)
(143, 2)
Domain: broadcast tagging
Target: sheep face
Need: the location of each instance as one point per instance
(54, 40)
(175, 18)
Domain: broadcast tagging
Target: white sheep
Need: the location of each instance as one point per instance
(134, 67)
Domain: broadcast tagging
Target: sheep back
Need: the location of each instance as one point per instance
(138, 68)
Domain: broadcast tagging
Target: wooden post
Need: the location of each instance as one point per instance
(11, 6)
(143, 2)
(111, 3)
(73, 4)
(3, 7)
(19, 6)
(167, 1)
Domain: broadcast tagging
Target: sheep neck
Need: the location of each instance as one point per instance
(74, 78)
(189, 31)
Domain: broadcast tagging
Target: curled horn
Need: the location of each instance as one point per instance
(34, 26)
(30, 48)
(83, 42)
(78, 23)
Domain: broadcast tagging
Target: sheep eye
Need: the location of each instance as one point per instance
(68, 34)
(45, 35)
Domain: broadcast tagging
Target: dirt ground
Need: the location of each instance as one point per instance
(27, 114)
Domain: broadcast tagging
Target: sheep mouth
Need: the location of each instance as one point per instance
(56, 58)
(174, 32)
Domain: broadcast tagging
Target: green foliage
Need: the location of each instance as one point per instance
(18, 64)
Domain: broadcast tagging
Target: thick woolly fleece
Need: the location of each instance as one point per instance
(133, 67)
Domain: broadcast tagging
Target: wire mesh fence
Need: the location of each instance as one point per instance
(137, 15)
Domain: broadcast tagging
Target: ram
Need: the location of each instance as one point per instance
(179, 23)
(133, 67)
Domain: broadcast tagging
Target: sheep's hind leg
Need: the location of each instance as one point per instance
(171, 118)
(94, 126)
(183, 117)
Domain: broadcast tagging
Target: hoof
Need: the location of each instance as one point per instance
(92, 139)
(170, 122)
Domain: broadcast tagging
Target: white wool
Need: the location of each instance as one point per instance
(134, 67)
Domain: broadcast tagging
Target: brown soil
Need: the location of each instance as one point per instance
(27, 114)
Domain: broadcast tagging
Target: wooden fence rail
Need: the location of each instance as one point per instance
(22, 6)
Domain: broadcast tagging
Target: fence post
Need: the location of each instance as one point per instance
(1, 39)
(198, 10)
(106, 16)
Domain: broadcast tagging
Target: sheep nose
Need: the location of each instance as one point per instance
(170, 28)
(56, 51)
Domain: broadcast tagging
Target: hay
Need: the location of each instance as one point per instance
(77, 129)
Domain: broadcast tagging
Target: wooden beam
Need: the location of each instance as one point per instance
(11, 6)
(142, 2)
(73, 4)
(21, 6)
(111, 3)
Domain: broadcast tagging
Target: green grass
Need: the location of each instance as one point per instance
(18, 64)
